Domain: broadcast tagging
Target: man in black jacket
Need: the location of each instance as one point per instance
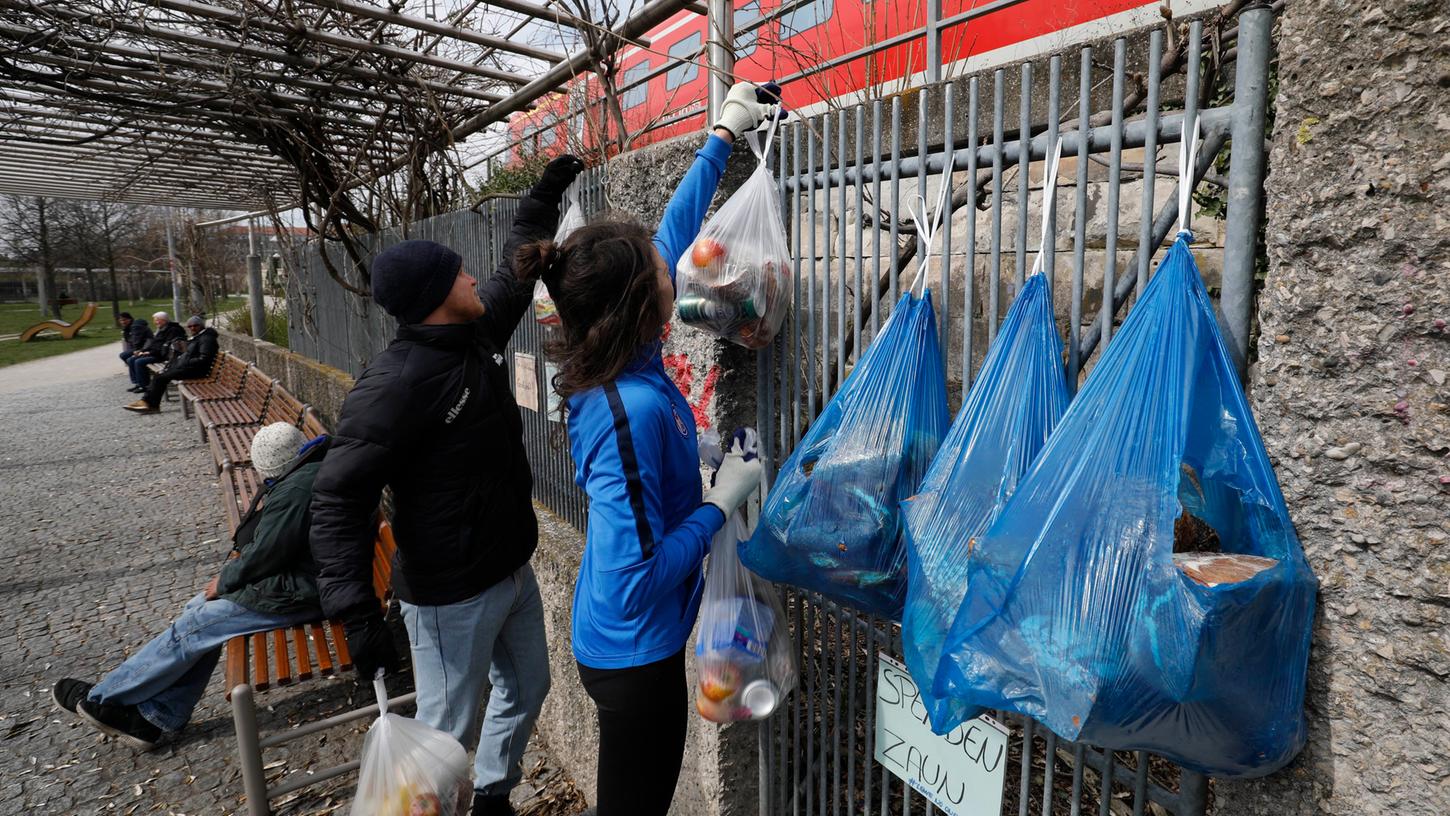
(193, 362)
(156, 348)
(433, 416)
(270, 583)
(134, 334)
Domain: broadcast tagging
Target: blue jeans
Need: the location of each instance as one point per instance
(166, 678)
(140, 374)
(496, 636)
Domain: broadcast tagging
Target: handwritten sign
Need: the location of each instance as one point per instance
(526, 381)
(961, 773)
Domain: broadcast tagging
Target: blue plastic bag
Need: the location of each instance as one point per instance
(1080, 614)
(1019, 395)
(832, 523)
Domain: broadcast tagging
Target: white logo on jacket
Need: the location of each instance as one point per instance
(453, 412)
(498, 359)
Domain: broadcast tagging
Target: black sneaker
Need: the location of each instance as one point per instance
(495, 805)
(137, 389)
(123, 722)
(70, 691)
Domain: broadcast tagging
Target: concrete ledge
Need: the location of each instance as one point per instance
(320, 386)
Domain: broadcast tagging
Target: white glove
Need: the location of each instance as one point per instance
(741, 113)
(736, 479)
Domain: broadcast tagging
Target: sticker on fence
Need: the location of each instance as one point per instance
(556, 405)
(526, 381)
(961, 773)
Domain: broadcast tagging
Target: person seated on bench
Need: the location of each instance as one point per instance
(156, 349)
(134, 334)
(195, 361)
(270, 584)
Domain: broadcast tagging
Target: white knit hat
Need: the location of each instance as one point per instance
(274, 447)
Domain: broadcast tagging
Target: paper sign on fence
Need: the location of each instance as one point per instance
(526, 381)
(961, 773)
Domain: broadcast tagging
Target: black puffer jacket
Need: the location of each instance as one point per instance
(159, 346)
(196, 359)
(136, 335)
(433, 416)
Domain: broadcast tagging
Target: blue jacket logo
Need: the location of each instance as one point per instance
(679, 423)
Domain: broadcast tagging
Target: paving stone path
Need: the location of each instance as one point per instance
(109, 522)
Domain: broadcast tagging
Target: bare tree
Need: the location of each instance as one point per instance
(27, 222)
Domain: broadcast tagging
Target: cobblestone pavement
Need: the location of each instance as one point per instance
(111, 522)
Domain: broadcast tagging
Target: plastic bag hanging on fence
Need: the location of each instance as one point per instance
(1144, 588)
(410, 769)
(735, 282)
(1018, 396)
(744, 656)
(545, 312)
(832, 522)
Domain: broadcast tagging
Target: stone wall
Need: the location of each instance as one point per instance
(1350, 393)
(320, 386)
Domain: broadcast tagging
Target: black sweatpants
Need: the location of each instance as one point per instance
(157, 389)
(643, 714)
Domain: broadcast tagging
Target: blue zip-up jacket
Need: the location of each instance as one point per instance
(637, 456)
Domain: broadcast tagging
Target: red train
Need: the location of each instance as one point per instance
(822, 51)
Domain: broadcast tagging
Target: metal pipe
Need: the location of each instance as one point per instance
(1079, 238)
(932, 32)
(1024, 173)
(1115, 163)
(312, 777)
(720, 52)
(1246, 180)
(254, 283)
(249, 753)
(175, 275)
(446, 30)
(994, 277)
(290, 735)
(1150, 156)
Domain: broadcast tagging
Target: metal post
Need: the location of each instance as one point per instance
(1245, 179)
(720, 56)
(254, 283)
(249, 751)
(933, 41)
(175, 275)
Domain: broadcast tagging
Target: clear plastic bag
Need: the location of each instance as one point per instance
(545, 312)
(744, 656)
(735, 282)
(410, 769)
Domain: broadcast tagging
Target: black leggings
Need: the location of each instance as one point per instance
(643, 714)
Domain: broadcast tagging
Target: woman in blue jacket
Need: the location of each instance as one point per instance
(633, 439)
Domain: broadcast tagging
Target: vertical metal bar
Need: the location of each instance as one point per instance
(922, 123)
(1024, 167)
(860, 226)
(836, 697)
(933, 42)
(1054, 113)
(876, 219)
(870, 703)
(1140, 783)
(825, 264)
(812, 259)
(1190, 71)
(945, 242)
(1150, 161)
(249, 751)
(1077, 769)
(254, 283)
(793, 357)
(813, 672)
(969, 304)
(994, 282)
(1115, 164)
(895, 196)
(800, 705)
(1105, 790)
(763, 743)
(1024, 787)
(1246, 179)
(1050, 753)
(1079, 237)
(720, 56)
(841, 250)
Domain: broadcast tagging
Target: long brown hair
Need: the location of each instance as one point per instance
(603, 282)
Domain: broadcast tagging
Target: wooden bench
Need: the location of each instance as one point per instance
(67, 330)
(247, 408)
(225, 382)
(232, 443)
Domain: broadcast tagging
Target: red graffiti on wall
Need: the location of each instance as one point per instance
(678, 365)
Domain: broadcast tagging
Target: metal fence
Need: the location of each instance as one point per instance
(843, 175)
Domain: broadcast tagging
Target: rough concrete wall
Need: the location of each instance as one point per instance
(1350, 394)
(320, 386)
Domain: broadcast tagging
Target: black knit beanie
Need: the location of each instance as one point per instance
(412, 278)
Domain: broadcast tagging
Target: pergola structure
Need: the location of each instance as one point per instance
(264, 104)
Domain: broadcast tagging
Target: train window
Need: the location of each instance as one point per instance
(636, 96)
(745, 14)
(686, 49)
(803, 19)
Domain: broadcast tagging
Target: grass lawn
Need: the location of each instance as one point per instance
(16, 317)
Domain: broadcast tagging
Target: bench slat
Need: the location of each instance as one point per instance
(280, 661)
(260, 680)
(236, 663)
(339, 641)
(299, 645)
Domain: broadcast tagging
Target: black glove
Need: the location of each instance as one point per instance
(558, 175)
(371, 644)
